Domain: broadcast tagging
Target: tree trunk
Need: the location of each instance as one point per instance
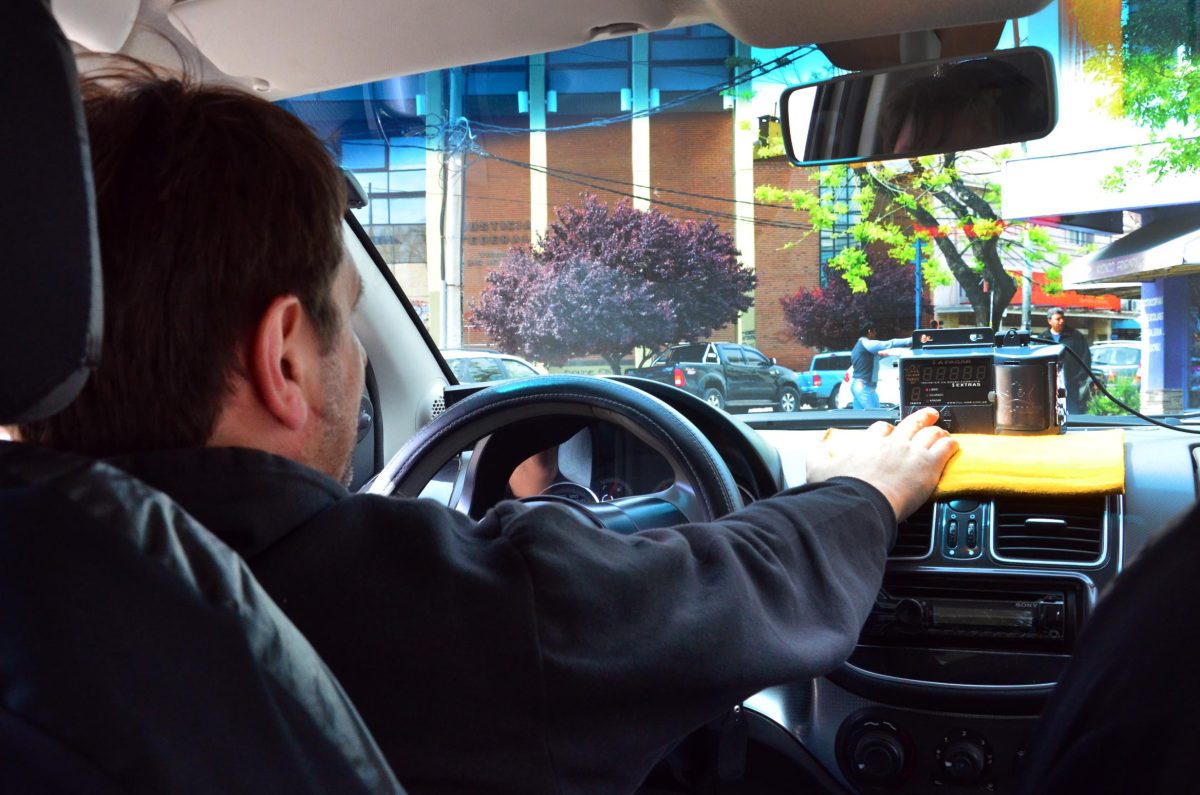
(960, 200)
(614, 361)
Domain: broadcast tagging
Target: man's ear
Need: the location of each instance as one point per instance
(279, 361)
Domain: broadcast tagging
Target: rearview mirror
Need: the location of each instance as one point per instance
(926, 108)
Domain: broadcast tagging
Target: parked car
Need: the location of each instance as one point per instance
(821, 383)
(1117, 359)
(482, 367)
(888, 385)
(725, 375)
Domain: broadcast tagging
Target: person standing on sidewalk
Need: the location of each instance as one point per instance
(864, 362)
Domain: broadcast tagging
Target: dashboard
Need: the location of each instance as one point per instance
(982, 603)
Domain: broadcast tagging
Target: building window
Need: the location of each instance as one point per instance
(492, 88)
(690, 60)
(589, 79)
(1077, 237)
(837, 236)
(373, 130)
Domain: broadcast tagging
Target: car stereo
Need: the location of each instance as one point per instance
(975, 612)
(982, 382)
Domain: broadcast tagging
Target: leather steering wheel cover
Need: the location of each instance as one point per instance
(660, 426)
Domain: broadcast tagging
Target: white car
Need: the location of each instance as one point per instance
(485, 367)
(888, 385)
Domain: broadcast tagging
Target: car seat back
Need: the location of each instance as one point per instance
(137, 652)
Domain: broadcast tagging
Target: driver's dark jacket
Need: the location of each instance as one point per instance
(532, 652)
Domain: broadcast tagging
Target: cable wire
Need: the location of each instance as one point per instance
(1110, 396)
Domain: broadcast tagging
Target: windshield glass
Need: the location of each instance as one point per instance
(586, 210)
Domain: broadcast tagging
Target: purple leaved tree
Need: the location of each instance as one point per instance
(605, 280)
(831, 316)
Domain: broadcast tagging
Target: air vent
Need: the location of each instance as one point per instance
(915, 536)
(1070, 531)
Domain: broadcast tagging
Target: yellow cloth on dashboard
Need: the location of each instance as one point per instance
(1087, 462)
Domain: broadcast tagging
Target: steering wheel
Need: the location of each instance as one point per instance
(703, 488)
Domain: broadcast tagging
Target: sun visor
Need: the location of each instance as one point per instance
(880, 52)
(784, 23)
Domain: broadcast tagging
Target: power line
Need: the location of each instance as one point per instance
(677, 206)
(552, 171)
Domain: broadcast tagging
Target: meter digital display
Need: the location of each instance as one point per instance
(948, 381)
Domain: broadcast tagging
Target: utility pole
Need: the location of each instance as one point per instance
(1027, 291)
(454, 180)
(917, 284)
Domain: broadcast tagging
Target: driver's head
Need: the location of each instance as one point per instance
(227, 293)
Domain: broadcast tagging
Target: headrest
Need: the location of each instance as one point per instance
(50, 289)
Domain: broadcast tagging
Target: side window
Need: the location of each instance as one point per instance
(710, 355)
(518, 369)
(688, 353)
(733, 354)
(755, 357)
(461, 371)
(1103, 356)
(483, 370)
(837, 363)
(1127, 356)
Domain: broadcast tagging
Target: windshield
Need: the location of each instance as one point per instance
(589, 210)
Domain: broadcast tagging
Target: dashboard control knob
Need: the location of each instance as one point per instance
(964, 761)
(878, 755)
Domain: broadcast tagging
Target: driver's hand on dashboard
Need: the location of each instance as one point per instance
(903, 461)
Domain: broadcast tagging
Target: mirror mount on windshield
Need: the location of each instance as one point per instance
(932, 107)
(919, 45)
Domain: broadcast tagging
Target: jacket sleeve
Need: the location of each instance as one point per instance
(876, 346)
(643, 638)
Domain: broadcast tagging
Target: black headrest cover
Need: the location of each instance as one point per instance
(50, 293)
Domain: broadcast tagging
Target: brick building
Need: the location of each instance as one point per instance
(638, 119)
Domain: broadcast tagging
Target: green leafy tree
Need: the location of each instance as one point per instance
(1124, 389)
(1154, 75)
(948, 204)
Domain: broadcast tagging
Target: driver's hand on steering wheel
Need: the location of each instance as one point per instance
(903, 461)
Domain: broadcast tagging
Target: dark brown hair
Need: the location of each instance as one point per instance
(211, 204)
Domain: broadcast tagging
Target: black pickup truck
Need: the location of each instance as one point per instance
(726, 375)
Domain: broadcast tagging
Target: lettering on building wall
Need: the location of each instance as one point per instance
(495, 233)
(1154, 321)
(485, 258)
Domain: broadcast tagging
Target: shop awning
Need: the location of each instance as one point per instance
(1164, 247)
